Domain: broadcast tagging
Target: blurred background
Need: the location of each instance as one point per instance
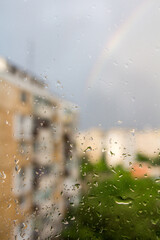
(79, 119)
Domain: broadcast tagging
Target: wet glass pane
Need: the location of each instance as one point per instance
(79, 119)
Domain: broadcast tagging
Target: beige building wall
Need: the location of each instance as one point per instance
(11, 156)
(33, 159)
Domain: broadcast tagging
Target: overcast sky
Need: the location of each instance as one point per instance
(104, 55)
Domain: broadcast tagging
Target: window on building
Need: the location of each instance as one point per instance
(24, 148)
(24, 97)
(23, 125)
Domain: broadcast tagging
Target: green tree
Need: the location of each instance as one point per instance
(117, 207)
(154, 161)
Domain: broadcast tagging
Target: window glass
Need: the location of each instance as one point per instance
(79, 120)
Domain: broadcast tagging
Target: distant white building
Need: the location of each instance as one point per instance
(91, 144)
(148, 143)
(120, 146)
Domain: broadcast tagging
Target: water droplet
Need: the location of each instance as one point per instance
(123, 201)
(144, 204)
(104, 150)
(92, 197)
(154, 221)
(77, 185)
(132, 190)
(111, 153)
(95, 175)
(17, 168)
(88, 149)
(96, 184)
(157, 180)
(65, 222)
(2, 176)
(24, 225)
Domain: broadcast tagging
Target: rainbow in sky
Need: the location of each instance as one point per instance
(114, 41)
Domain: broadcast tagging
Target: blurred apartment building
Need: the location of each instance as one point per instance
(37, 156)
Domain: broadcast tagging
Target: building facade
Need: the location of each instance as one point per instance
(34, 139)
